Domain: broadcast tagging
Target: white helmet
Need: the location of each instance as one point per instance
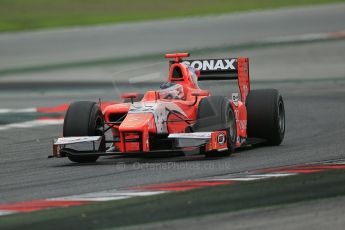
(171, 90)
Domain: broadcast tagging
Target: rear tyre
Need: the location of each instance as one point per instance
(266, 115)
(215, 113)
(84, 118)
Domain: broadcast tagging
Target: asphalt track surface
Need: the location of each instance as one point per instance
(310, 76)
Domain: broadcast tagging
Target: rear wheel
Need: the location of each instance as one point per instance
(215, 113)
(266, 115)
(84, 118)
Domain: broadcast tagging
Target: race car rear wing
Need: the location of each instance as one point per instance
(224, 69)
(219, 69)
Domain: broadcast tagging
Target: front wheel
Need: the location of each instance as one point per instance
(84, 118)
(215, 113)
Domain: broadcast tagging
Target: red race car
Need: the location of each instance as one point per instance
(177, 118)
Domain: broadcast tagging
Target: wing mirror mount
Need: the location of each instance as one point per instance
(130, 96)
(200, 93)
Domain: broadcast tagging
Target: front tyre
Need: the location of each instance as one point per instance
(215, 113)
(84, 118)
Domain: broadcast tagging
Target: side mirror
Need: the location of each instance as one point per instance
(200, 93)
(130, 96)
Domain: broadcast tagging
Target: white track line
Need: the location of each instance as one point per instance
(5, 212)
(25, 110)
(108, 195)
(305, 37)
(114, 194)
(250, 177)
(269, 175)
(32, 124)
(238, 179)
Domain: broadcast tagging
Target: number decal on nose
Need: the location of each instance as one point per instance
(221, 138)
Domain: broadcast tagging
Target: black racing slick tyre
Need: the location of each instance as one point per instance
(84, 118)
(215, 113)
(266, 115)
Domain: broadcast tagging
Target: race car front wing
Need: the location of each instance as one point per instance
(184, 143)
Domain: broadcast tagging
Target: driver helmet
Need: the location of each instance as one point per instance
(171, 90)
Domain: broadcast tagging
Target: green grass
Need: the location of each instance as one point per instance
(227, 198)
(34, 14)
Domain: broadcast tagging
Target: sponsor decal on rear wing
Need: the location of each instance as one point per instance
(215, 69)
